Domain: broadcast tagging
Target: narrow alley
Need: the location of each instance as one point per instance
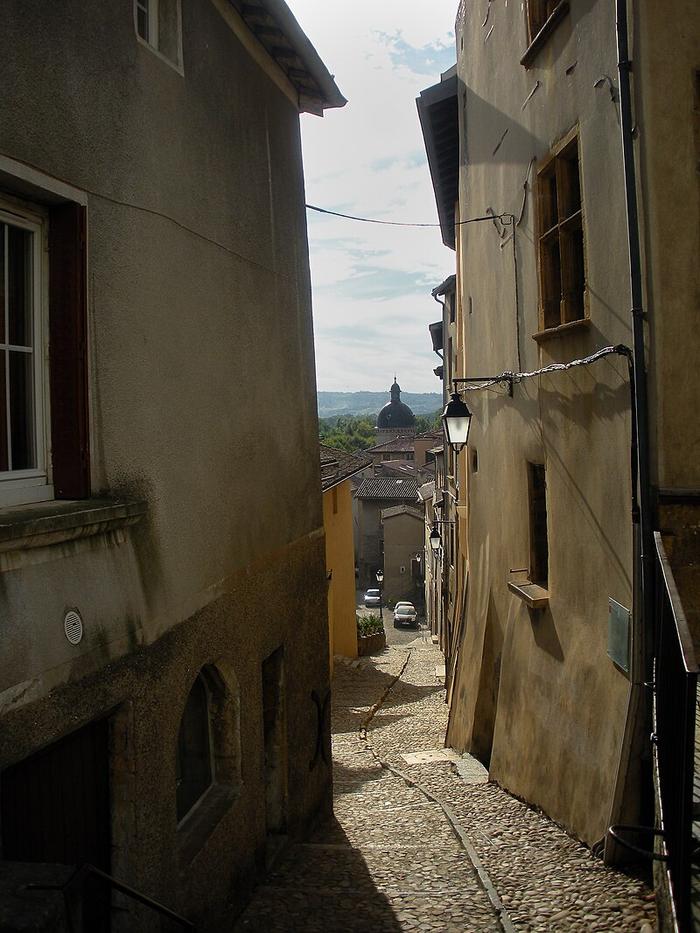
(421, 840)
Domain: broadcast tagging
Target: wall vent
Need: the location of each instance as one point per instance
(73, 626)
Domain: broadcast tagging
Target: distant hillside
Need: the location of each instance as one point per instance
(331, 404)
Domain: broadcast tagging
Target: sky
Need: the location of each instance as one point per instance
(372, 284)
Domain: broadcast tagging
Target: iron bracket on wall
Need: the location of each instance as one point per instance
(488, 381)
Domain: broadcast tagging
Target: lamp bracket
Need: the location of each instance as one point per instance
(486, 381)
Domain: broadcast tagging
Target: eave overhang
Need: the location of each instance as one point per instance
(439, 120)
(436, 336)
(274, 26)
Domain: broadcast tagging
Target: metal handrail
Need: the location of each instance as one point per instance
(77, 879)
(674, 712)
(679, 618)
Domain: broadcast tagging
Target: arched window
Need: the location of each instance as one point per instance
(207, 756)
(195, 761)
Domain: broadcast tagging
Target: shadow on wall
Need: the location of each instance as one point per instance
(545, 632)
(489, 680)
(500, 140)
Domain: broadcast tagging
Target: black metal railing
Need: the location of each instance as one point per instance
(73, 893)
(675, 682)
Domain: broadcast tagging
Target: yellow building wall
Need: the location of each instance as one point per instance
(340, 562)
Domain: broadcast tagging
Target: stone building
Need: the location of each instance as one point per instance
(373, 496)
(164, 617)
(403, 543)
(557, 625)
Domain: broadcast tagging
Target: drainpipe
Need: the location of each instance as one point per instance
(632, 773)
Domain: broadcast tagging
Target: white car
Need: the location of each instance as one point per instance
(372, 598)
(405, 614)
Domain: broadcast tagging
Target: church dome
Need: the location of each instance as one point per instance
(395, 415)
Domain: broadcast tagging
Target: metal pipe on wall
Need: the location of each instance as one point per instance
(631, 776)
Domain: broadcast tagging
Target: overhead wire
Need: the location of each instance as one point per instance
(506, 218)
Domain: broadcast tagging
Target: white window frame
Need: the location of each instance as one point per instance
(20, 487)
(150, 8)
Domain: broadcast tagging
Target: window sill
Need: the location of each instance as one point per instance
(202, 820)
(534, 596)
(545, 32)
(562, 330)
(47, 523)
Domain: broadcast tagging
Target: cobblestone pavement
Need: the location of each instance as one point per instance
(394, 859)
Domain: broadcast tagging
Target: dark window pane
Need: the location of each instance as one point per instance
(548, 199)
(142, 21)
(539, 547)
(194, 774)
(3, 233)
(4, 457)
(568, 181)
(551, 281)
(537, 15)
(21, 411)
(19, 292)
(573, 273)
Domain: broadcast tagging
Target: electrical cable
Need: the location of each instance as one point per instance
(506, 219)
(510, 377)
(619, 349)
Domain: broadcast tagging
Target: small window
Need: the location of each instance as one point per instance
(542, 17)
(23, 458)
(539, 547)
(538, 12)
(159, 24)
(560, 239)
(195, 769)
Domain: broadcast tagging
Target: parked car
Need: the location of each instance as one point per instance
(405, 614)
(372, 598)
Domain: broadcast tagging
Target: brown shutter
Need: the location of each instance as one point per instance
(70, 441)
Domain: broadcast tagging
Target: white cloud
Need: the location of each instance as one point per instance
(366, 159)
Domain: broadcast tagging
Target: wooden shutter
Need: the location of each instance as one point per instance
(70, 441)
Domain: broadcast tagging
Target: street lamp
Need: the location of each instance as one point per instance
(435, 539)
(380, 580)
(456, 418)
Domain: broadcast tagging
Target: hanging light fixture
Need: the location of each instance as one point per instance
(456, 418)
(435, 539)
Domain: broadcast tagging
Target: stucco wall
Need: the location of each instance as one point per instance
(198, 311)
(536, 696)
(667, 93)
(198, 291)
(340, 562)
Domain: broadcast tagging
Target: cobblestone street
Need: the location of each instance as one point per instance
(421, 840)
